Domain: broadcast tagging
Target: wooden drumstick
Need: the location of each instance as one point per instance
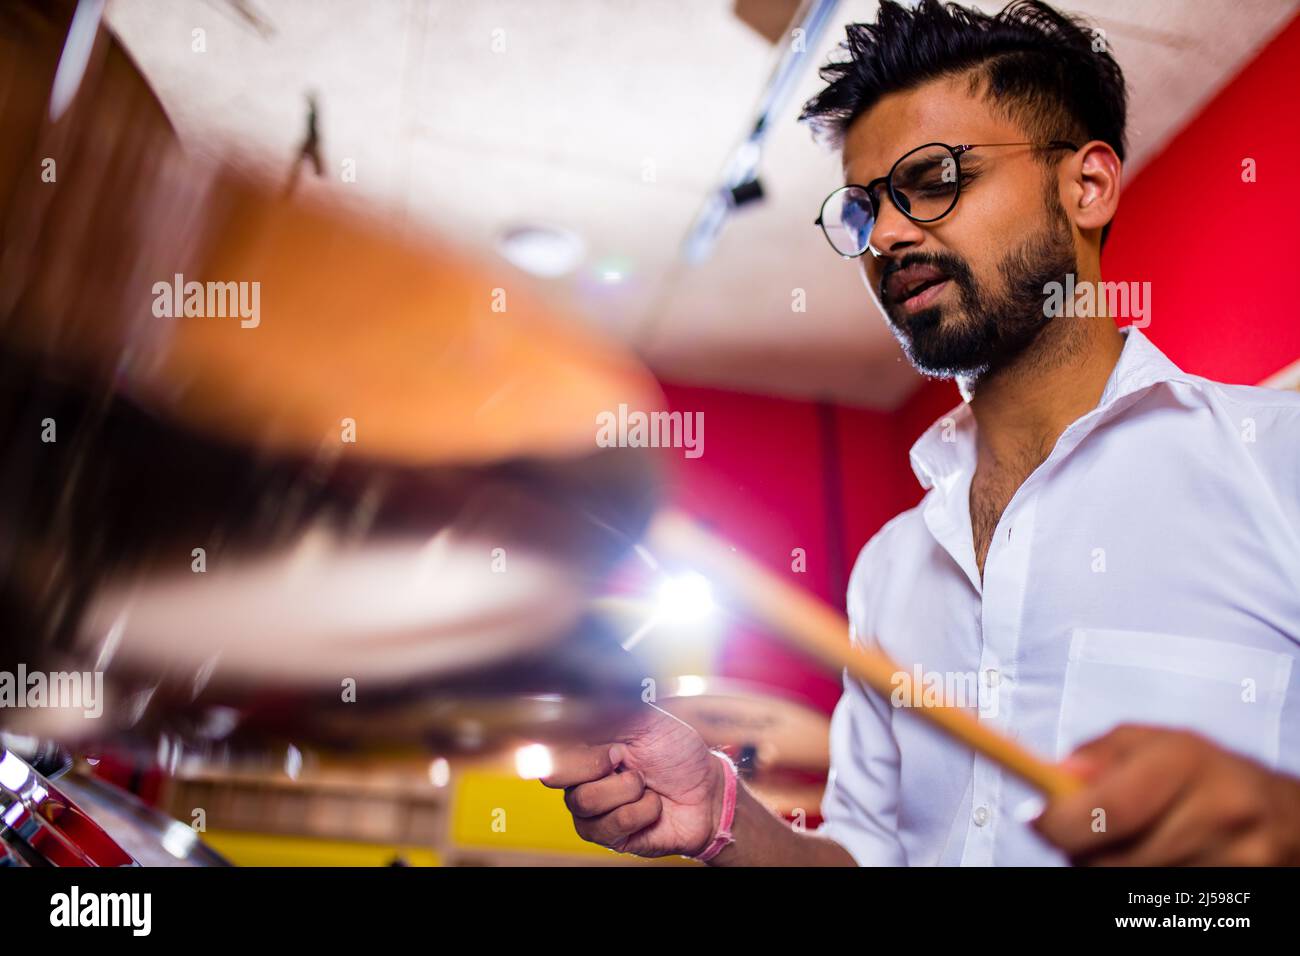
(810, 625)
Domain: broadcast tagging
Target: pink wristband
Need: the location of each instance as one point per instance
(723, 836)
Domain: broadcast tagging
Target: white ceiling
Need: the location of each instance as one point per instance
(612, 119)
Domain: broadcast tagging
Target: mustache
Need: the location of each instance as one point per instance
(951, 266)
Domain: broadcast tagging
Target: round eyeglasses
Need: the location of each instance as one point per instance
(924, 185)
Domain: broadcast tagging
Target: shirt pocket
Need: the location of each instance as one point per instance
(1231, 693)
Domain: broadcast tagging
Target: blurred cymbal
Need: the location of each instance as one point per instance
(91, 191)
(754, 724)
(572, 687)
(566, 691)
(435, 355)
(385, 472)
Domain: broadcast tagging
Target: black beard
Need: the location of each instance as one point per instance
(986, 332)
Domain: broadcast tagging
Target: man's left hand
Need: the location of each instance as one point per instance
(1156, 797)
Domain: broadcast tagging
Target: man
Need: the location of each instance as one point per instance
(1109, 547)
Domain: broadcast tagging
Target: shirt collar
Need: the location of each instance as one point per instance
(947, 449)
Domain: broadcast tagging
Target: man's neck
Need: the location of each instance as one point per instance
(1023, 408)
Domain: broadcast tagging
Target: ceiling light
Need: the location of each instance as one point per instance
(543, 250)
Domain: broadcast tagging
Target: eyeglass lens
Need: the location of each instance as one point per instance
(924, 187)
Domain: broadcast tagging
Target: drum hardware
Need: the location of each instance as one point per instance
(148, 835)
(42, 826)
(46, 757)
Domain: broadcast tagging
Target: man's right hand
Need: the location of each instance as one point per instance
(653, 789)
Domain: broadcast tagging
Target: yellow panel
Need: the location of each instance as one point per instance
(270, 849)
(499, 811)
(530, 819)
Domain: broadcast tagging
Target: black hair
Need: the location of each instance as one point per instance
(1050, 72)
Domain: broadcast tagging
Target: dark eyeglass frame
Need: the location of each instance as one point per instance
(888, 182)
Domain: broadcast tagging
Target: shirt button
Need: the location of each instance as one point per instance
(981, 816)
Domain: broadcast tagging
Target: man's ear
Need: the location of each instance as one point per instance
(1092, 189)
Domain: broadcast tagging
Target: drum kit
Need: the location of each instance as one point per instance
(367, 514)
(277, 474)
(85, 821)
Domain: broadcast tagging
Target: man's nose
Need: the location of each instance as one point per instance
(892, 230)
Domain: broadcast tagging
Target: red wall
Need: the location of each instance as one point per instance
(761, 483)
(1221, 254)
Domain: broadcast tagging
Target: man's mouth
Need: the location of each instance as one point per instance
(923, 295)
(915, 286)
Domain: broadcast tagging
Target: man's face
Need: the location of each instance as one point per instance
(988, 259)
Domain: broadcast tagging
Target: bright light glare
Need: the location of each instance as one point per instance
(533, 761)
(178, 839)
(686, 598)
(440, 772)
(691, 685)
(543, 249)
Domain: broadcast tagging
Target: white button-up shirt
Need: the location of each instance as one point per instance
(1147, 572)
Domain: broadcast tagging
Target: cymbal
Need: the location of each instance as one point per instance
(90, 192)
(570, 687)
(309, 573)
(566, 691)
(210, 298)
(769, 729)
(429, 355)
(374, 459)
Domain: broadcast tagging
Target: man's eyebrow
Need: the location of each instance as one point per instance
(861, 182)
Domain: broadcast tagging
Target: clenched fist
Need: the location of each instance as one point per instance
(652, 789)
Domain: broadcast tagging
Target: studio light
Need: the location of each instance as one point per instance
(685, 599)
